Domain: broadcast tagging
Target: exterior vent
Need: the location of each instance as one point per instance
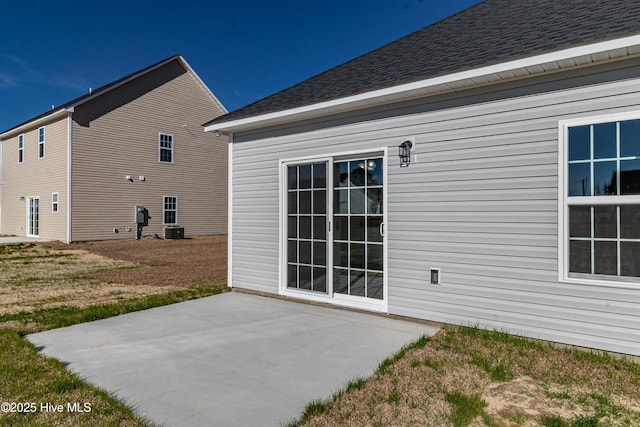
(434, 276)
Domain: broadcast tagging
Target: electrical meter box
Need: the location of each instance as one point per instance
(142, 215)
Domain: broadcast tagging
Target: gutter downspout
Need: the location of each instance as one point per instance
(0, 184)
(69, 171)
(230, 213)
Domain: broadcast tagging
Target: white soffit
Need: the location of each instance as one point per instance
(519, 68)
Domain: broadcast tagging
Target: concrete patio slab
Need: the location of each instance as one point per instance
(12, 240)
(230, 360)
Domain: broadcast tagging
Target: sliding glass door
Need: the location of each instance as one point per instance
(334, 228)
(33, 216)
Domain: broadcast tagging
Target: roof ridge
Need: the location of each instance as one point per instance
(95, 93)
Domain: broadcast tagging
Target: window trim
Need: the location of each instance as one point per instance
(564, 202)
(164, 210)
(161, 148)
(41, 140)
(55, 202)
(21, 148)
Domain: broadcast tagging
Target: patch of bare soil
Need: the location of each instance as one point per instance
(179, 263)
(55, 274)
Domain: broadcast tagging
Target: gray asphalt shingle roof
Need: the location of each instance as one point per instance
(489, 32)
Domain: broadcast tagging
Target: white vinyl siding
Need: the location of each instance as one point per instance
(479, 201)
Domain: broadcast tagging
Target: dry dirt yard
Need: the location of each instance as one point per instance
(52, 274)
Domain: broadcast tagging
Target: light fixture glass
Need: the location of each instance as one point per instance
(404, 152)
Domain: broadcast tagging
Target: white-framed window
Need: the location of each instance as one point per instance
(165, 148)
(41, 142)
(170, 210)
(599, 182)
(54, 202)
(20, 148)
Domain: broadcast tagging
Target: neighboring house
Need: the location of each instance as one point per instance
(78, 172)
(520, 113)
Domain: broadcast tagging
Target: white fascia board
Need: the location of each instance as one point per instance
(54, 115)
(408, 90)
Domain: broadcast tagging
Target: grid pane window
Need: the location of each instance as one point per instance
(357, 235)
(170, 210)
(20, 148)
(41, 143)
(307, 227)
(54, 202)
(604, 239)
(604, 235)
(165, 148)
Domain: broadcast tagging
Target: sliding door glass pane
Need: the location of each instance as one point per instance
(374, 285)
(307, 227)
(357, 218)
(357, 285)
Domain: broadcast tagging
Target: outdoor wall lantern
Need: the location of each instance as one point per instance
(404, 151)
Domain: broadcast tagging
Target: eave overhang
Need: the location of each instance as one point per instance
(55, 114)
(559, 60)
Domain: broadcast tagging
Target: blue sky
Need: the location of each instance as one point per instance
(53, 51)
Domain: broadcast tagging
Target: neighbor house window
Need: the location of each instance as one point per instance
(20, 148)
(165, 147)
(170, 210)
(54, 202)
(41, 142)
(602, 203)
